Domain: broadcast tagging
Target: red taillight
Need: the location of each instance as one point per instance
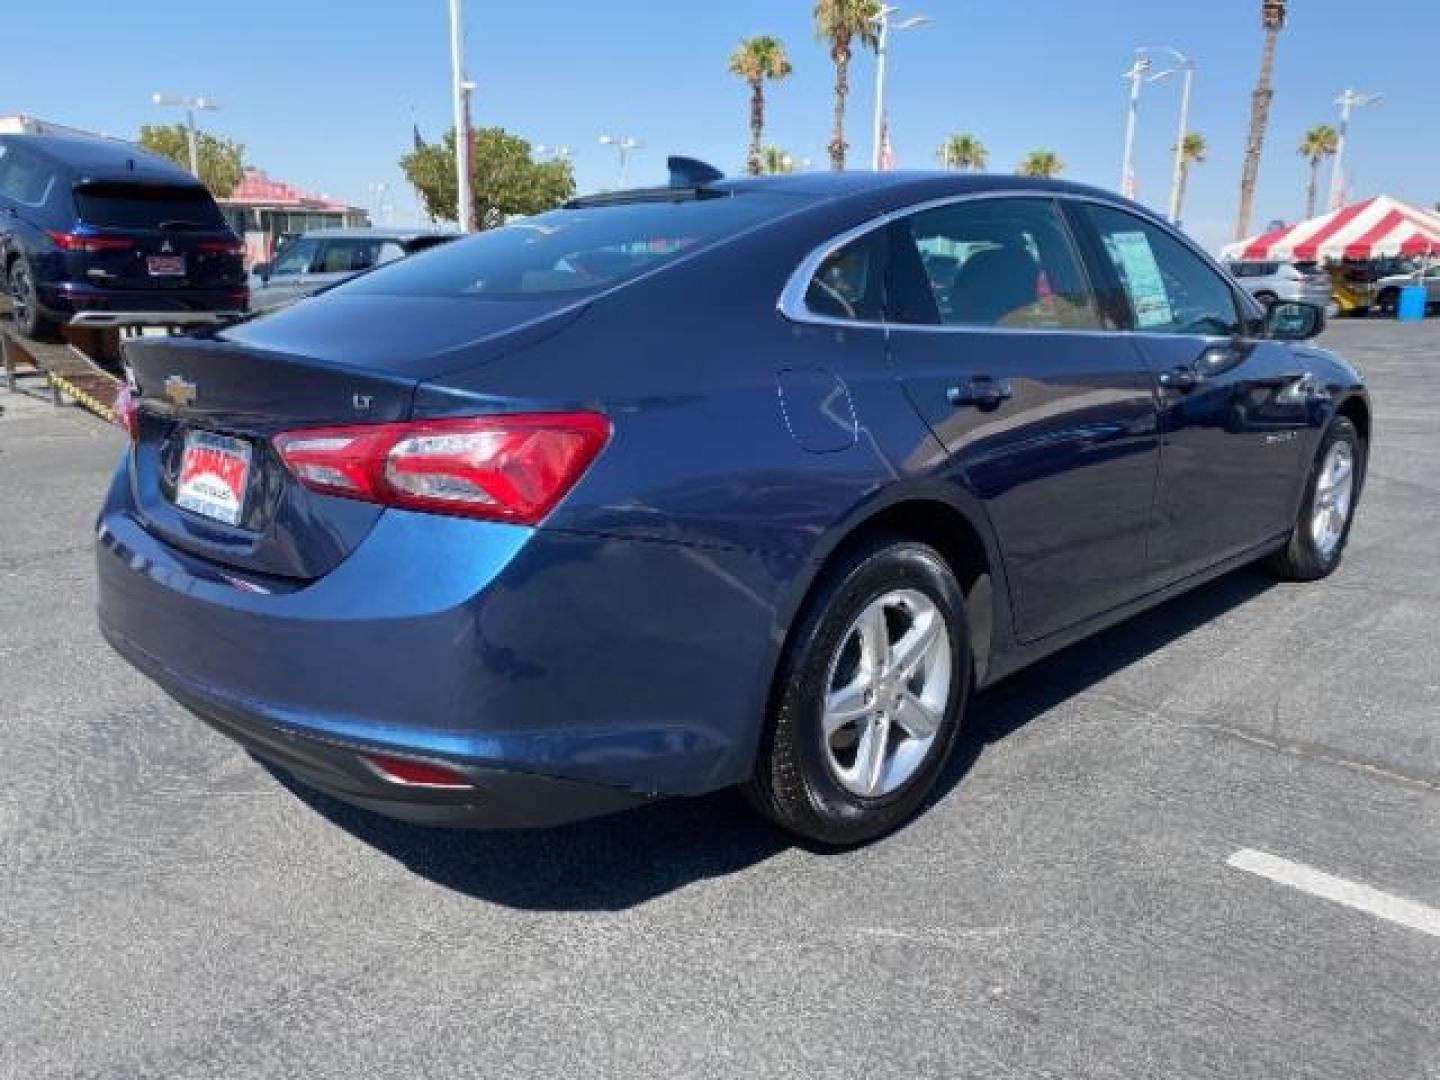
(126, 411)
(502, 467)
(415, 773)
(221, 247)
(83, 242)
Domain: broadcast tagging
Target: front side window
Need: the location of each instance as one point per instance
(296, 257)
(988, 263)
(348, 256)
(1171, 289)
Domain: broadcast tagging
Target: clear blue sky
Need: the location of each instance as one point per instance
(321, 93)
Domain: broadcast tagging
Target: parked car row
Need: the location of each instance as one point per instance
(1345, 290)
(98, 233)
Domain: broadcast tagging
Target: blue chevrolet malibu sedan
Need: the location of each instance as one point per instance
(730, 482)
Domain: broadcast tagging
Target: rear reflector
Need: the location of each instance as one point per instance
(221, 247)
(415, 773)
(501, 467)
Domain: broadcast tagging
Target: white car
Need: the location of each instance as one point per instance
(1387, 290)
(315, 260)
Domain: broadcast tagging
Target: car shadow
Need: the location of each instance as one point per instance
(613, 863)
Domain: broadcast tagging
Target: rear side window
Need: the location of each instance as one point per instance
(572, 252)
(24, 179)
(989, 262)
(147, 206)
(848, 284)
(1172, 290)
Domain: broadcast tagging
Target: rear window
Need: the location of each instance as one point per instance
(147, 206)
(571, 252)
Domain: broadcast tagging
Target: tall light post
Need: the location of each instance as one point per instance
(460, 94)
(1187, 65)
(190, 105)
(886, 21)
(624, 146)
(1140, 73)
(1349, 101)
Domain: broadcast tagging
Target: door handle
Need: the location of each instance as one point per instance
(982, 392)
(1180, 379)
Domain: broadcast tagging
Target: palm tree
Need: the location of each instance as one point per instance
(839, 23)
(755, 60)
(1193, 149)
(963, 152)
(1272, 17)
(1320, 142)
(774, 161)
(1041, 163)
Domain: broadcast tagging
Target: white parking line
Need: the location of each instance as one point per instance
(1382, 905)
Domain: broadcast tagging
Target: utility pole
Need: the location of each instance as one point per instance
(1187, 65)
(189, 104)
(465, 198)
(1349, 101)
(882, 52)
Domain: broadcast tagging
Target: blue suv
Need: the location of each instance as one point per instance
(96, 232)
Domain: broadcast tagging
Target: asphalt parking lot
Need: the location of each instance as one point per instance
(1084, 900)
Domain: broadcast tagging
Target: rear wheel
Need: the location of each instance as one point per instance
(1389, 302)
(25, 304)
(1323, 527)
(871, 691)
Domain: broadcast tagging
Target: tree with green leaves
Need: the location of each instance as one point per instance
(1272, 19)
(505, 177)
(839, 23)
(963, 152)
(1193, 150)
(774, 161)
(757, 60)
(1320, 142)
(222, 162)
(1041, 163)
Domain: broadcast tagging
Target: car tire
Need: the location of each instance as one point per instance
(843, 783)
(1389, 303)
(1317, 543)
(25, 304)
(1267, 299)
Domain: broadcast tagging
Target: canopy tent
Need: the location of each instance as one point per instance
(1377, 228)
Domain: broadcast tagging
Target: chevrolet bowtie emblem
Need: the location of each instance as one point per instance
(180, 391)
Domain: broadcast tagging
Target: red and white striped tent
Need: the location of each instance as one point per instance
(1377, 228)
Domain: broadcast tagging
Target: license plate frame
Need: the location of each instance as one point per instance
(165, 265)
(214, 476)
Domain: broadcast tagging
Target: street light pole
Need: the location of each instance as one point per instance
(882, 52)
(1187, 65)
(623, 144)
(1349, 101)
(1138, 75)
(189, 104)
(465, 199)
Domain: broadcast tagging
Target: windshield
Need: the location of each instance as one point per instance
(571, 252)
(147, 206)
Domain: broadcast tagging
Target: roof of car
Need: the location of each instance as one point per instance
(102, 159)
(403, 236)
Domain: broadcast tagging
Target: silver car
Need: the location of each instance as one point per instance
(315, 260)
(1387, 289)
(1270, 282)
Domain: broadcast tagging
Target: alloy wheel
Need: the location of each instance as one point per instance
(888, 690)
(1334, 495)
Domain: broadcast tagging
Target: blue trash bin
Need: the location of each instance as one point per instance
(1413, 299)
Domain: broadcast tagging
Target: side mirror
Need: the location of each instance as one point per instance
(1291, 321)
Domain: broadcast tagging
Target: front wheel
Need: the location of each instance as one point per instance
(1323, 527)
(869, 698)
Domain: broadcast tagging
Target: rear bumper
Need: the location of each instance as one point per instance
(86, 305)
(499, 799)
(539, 662)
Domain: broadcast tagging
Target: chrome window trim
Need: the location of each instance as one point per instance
(791, 303)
